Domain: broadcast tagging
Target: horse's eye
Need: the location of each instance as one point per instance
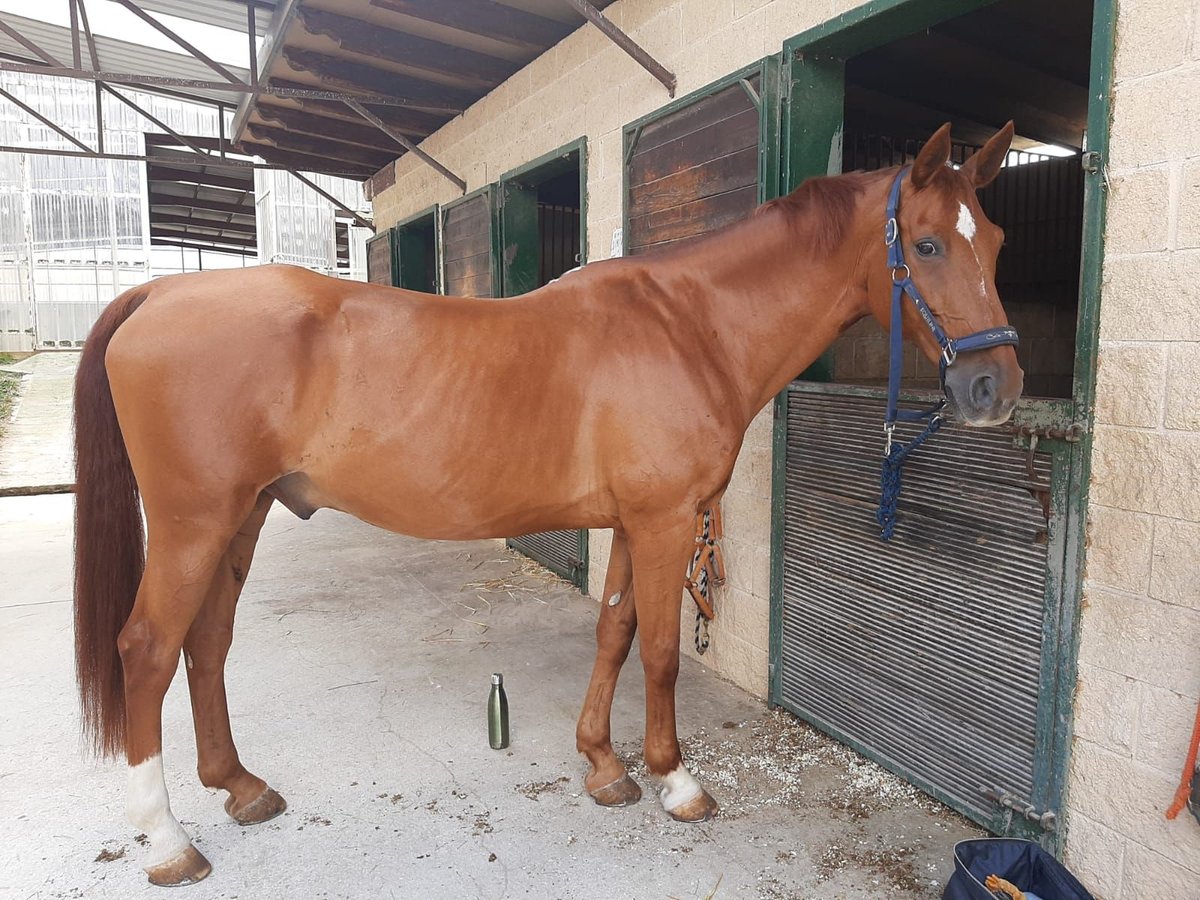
(926, 248)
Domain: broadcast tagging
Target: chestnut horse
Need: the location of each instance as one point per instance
(617, 397)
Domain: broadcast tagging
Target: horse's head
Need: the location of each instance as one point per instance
(950, 247)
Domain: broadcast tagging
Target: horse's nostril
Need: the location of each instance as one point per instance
(983, 391)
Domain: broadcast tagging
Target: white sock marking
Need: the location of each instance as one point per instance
(149, 809)
(678, 788)
(614, 599)
(966, 222)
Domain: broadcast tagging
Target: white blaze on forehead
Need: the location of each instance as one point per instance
(679, 787)
(966, 222)
(149, 809)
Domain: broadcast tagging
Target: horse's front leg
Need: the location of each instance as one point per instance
(207, 645)
(607, 781)
(660, 554)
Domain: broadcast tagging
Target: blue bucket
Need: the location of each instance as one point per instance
(1022, 863)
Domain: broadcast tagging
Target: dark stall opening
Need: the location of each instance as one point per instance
(559, 224)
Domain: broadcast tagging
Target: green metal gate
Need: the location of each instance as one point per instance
(948, 654)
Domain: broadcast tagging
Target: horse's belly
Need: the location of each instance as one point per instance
(469, 503)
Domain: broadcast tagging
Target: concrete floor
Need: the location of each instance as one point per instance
(37, 450)
(358, 682)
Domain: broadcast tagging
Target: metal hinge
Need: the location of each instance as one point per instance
(1048, 820)
(1091, 162)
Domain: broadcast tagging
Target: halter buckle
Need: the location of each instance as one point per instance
(949, 354)
(891, 230)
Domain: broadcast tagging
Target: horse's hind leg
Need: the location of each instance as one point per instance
(207, 644)
(182, 556)
(660, 553)
(608, 782)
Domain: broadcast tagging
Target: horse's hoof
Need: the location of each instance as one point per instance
(622, 792)
(266, 806)
(186, 867)
(700, 808)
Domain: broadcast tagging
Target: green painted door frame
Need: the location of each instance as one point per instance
(518, 255)
(809, 145)
(410, 262)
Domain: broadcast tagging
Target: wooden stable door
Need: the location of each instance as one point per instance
(468, 260)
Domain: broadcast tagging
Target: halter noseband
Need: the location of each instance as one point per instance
(895, 453)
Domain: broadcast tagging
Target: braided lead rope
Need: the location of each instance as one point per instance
(890, 476)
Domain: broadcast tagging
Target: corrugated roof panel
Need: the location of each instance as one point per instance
(116, 56)
(222, 13)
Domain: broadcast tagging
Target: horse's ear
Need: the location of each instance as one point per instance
(984, 165)
(932, 158)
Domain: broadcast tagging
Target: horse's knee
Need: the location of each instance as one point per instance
(143, 656)
(660, 662)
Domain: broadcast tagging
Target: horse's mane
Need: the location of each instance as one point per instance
(821, 208)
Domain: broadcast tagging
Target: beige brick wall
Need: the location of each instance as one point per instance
(1139, 673)
(1139, 669)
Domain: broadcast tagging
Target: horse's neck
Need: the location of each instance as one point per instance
(773, 302)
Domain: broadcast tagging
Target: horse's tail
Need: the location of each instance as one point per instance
(109, 543)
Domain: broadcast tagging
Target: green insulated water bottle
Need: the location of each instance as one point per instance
(498, 714)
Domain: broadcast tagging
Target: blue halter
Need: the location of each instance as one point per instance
(895, 453)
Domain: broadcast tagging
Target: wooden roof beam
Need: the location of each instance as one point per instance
(299, 122)
(292, 159)
(368, 39)
(530, 32)
(412, 122)
(319, 147)
(361, 78)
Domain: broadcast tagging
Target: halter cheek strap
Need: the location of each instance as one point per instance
(894, 453)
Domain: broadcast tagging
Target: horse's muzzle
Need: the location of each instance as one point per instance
(981, 392)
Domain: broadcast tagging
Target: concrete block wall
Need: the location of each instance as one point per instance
(1139, 658)
(1139, 669)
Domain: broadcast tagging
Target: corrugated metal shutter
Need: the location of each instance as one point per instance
(467, 248)
(925, 652)
(558, 551)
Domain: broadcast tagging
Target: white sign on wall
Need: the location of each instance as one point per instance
(618, 243)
